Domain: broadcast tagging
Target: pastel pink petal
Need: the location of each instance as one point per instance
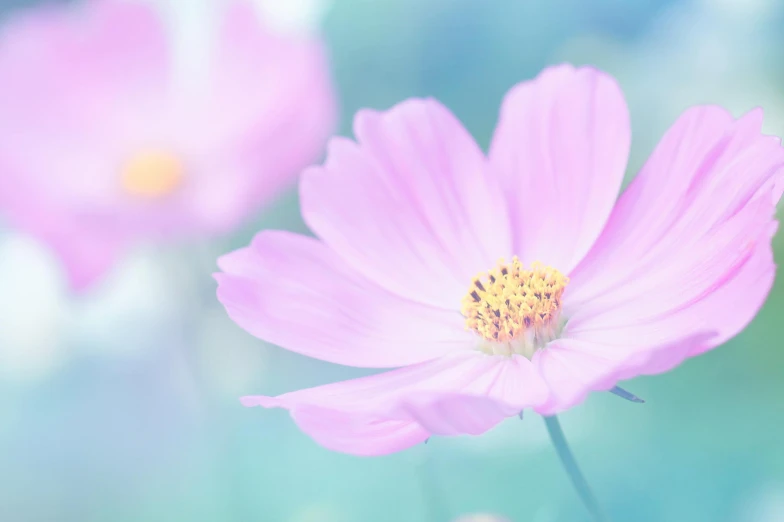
(457, 414)
(504, 387)
(745, 294)
(295, 292)
(704, 171)
(659, 321)
(656, 323)
(571, 374)
(351, 432)
(572, 369)
(561, 147)
(356, 434)
(411, 205)
(703, 262)
(465, 393)
(722, 297)
(687, 276)
(677, 310)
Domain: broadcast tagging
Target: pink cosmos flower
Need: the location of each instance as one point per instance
(103, 146)
(514, 280)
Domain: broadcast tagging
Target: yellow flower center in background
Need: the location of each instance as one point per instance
(152, 174)
(515, 310)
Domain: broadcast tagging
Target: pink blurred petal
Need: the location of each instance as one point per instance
(561, 147)
(86, 262)
(86, 257)
(89, 50)
(295, 292)
(412, 205)
(249, 54)
(84, 88)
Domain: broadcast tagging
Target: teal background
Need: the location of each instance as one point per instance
(139, 419)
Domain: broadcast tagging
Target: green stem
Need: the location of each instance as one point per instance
(570, 465)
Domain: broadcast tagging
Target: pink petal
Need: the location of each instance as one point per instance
(456, 414)
(357, 434)
(294, 291)
(687, 276)
(503, 387)
(652, 325)
(561, 147)
(750, 288)
(466, 393)
(705, 169)
(411, 205)
(573, 368)
(688, 246)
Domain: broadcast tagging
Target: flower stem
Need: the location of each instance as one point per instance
(570, 465)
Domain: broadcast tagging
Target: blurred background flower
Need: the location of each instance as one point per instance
(112, 136)
(121, 404)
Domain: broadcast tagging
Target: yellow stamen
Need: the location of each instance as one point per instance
(509, 302)
(152, 174)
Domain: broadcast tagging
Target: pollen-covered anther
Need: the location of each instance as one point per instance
(514, 307)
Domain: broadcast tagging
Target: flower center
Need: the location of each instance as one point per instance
(152, 174)
(515, 310)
